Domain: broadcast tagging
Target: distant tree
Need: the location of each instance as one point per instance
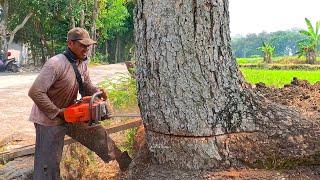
(247, 46)
(5, 33)
(268, 50)
(285, 41)
(45, 31)
(111, 21)
(308, 46)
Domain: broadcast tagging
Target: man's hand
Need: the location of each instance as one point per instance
(104, 94)
(61, 113)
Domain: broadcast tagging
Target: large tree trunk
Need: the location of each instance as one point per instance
(94, 26)
(196, 108)
(3, 27)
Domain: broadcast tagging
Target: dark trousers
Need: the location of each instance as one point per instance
(50, 141)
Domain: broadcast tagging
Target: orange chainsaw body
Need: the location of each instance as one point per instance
(81, 112)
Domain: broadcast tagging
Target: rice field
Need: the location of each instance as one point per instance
(278, 78)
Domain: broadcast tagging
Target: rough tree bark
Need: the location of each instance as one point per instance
(3, 28)
(196, 108)
(94, 26)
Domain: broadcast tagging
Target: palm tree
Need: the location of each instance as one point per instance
(268, 50)
(308, 46)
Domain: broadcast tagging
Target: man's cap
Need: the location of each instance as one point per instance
(81, 35)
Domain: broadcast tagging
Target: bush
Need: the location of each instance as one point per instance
(129, 136)
(122, 92)
(123, 97)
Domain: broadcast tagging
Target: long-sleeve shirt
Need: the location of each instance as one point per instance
(56, 87)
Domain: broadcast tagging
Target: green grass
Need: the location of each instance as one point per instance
(278, 78)
(249, 60)
(129, 140)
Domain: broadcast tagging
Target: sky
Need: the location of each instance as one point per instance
(255, 16)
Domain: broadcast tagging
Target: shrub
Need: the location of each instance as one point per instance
(122, 92)
(129, 136)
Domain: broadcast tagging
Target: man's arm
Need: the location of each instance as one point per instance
(38, 91)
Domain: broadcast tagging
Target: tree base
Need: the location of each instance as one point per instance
(254, 150)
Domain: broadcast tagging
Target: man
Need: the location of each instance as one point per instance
(56, 88)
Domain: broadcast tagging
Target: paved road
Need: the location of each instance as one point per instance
(15, 105)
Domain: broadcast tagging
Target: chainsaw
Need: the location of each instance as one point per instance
(91, 110)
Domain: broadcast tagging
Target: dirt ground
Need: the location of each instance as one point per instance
(299, 94)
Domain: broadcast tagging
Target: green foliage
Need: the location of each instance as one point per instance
(308, 46)
(278, 78)
(285, 41)
(50, 23)
(305, 46)
(123, 96)
(111, 17)
(312, 33)
(122, 92)
(252, 60)
(124, 36)
(99, 58)
(268, 50)
(129, 140)
(46, 30)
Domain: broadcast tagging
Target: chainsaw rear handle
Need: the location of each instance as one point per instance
(91, 121)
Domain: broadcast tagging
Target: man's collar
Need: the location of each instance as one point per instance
(73, 56)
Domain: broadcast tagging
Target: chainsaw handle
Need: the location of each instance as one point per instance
(91, 121)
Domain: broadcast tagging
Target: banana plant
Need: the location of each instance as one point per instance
(268, 51)
(308, 47)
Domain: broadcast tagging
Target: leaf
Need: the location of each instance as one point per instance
(309, 25)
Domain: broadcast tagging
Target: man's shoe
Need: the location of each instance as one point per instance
(124, 161)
